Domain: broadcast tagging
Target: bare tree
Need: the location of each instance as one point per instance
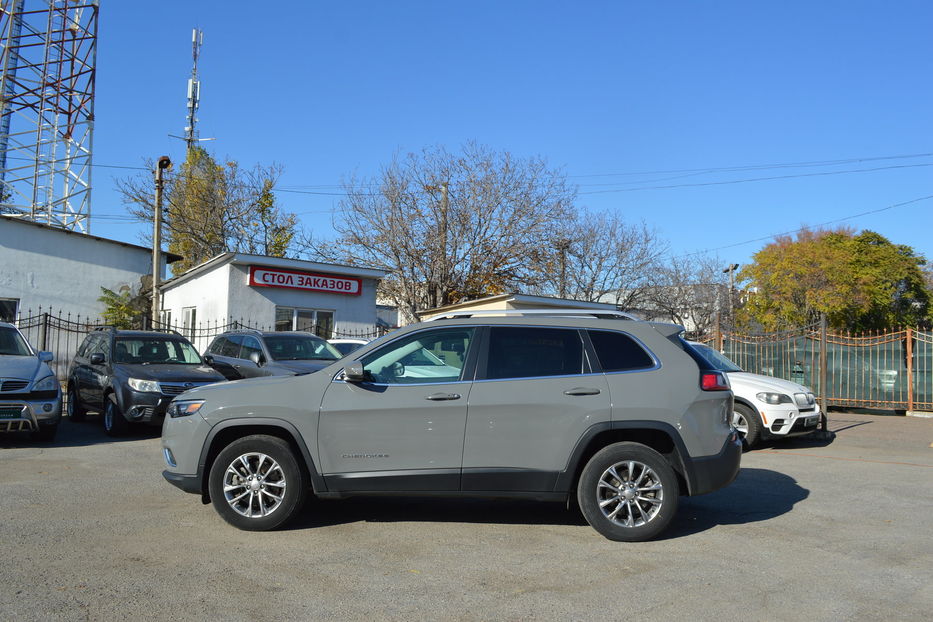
(597, 257)
(450, 227)
(690, 291)
(214, 208)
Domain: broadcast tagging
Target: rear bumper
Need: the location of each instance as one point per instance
(711, 473)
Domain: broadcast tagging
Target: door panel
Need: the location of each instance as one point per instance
(403, 428)
(394, 433)
(521, 432)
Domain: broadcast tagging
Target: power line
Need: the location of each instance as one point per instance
(820, 225)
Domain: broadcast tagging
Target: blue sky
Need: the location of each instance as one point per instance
(622, 96)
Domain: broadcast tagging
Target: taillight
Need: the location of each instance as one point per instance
(714, 381)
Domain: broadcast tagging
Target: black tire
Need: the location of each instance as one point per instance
(45, 433)
(635, 517)
(748, 424)
(115, 424)
(258, 492)
(76, 412)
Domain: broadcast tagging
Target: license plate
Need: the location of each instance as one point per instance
(10, 412)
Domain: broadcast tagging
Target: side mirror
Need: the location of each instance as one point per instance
(257, 358)
(354, 372)
(46, 357)
(209, 359)
(97, 358)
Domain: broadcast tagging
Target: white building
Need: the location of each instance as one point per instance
(61, 270)
(271, 293)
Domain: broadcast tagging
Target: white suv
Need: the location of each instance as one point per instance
(765, 406)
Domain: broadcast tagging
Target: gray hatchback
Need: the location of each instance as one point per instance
(616, 413)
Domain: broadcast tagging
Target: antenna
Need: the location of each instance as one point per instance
(194, 93)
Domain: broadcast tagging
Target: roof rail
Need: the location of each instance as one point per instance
(597, 313)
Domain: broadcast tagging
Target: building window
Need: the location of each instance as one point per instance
(189, 317)
(165, 318)
(8, 308)
(317, 321)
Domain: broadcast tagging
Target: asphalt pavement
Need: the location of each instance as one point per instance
(838, 529)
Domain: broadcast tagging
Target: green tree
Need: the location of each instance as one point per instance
(860, 281)
(213, 208)
(124, 309)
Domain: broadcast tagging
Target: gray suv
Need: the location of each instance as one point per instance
(239, 354)
(617, 413)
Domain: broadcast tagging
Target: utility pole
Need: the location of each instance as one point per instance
(562, 245)
(163, 164)
(731, 270)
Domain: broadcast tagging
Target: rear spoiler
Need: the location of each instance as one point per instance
(668, 330)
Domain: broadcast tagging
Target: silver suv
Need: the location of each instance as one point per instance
(618, 413)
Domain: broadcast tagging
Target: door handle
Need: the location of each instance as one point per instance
(439, 397)
(581, 391)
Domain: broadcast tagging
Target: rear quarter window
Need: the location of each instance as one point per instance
(619, 352)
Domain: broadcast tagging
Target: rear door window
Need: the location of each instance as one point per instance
(532, 352)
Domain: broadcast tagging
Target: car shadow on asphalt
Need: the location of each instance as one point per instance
(817, 439)
(70, 434)
(756, 495)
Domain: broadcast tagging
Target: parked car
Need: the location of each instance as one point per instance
(347, 345)
(30, 394)
(131, 376)
(241, 354)
(765, 406)
(616, 413)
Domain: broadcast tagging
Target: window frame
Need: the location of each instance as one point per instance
(467, 372)
(595, 357)
(588, 354)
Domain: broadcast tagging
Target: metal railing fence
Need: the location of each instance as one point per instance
(882, 369)
(62, 333)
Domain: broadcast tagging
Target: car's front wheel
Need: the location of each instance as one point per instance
(747, 423)
(628, 492)
(115, 424)
(76, 412)
(257, 484)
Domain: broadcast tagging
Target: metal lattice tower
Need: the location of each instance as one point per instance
(48, 60)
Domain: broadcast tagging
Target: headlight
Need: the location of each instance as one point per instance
(184, 408)
(146, 386)
(49, 383)
(774, 398)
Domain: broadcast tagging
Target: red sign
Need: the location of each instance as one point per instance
(290, 279)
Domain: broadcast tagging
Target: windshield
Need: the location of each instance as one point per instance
(155, 350)
(12, 343)
(300, 348)
(716, 358)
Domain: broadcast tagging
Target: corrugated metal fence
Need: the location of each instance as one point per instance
(890, 370)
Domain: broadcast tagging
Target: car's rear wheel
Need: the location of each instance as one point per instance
(115, 424)
(257, 484)
(628, 492)
(747, 423)
(76, 412)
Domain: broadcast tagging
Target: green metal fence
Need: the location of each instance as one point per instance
(892, 370)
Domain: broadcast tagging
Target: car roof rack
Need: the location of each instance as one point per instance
(597, 313)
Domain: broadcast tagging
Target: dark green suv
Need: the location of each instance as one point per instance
(619, 414)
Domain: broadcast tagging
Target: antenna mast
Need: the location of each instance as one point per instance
(48, 55)
(194, 89)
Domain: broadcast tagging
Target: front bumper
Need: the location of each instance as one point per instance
(148, 408)
(26, 415)
(789, 421)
